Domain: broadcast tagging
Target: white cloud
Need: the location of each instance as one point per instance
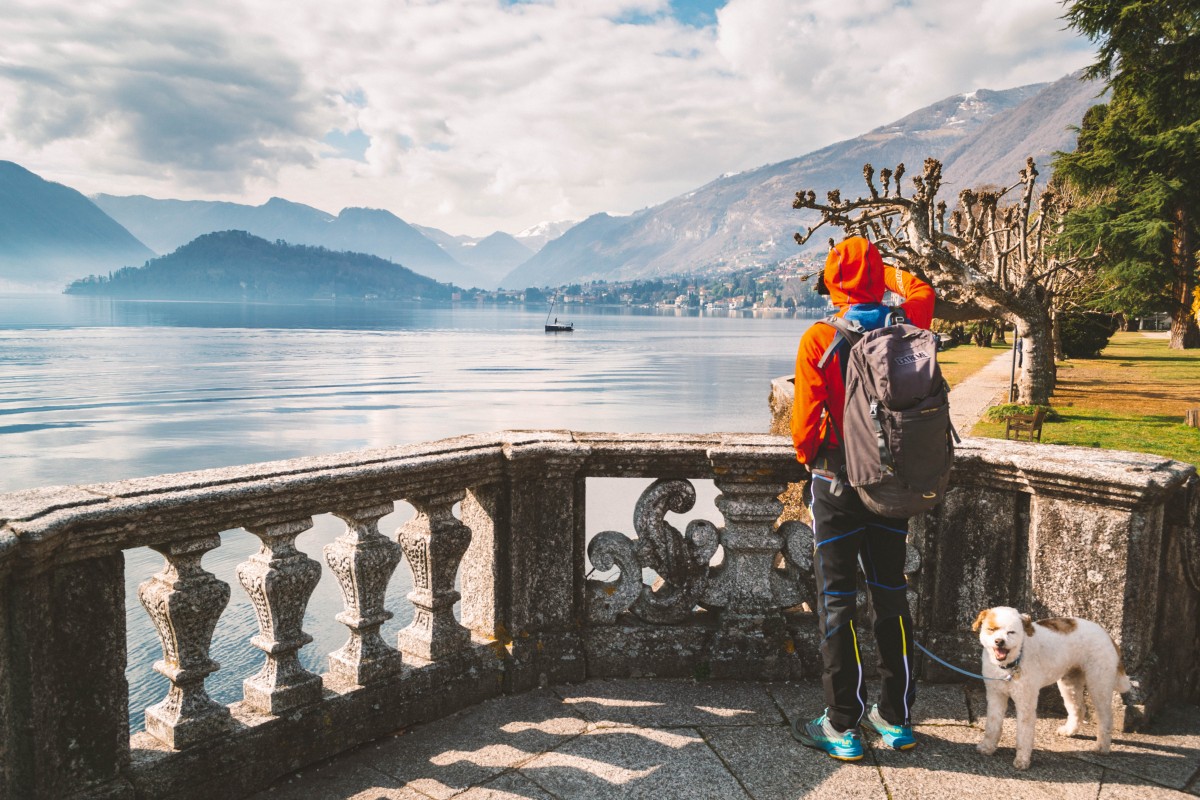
(482, 114)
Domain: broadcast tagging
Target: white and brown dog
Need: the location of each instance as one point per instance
(1021, 656)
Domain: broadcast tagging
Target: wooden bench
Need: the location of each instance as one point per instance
(1025, 423)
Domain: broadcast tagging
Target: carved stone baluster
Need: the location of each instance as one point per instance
(280, 579)
(745, 586)
(434, 542)
(185, 602)
(363, 560)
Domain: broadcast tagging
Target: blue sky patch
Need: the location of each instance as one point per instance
(697, 13)
(352, 145)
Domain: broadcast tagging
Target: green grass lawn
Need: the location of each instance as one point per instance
(1132, 397)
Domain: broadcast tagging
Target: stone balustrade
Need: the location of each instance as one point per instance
(537, 602)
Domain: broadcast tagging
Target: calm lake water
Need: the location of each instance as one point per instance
(97, 390)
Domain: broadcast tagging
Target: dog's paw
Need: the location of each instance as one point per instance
(1021, 762)
(1068, 729)
(985, 748)
(1103, 748)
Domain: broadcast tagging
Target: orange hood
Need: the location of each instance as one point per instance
(854, 273)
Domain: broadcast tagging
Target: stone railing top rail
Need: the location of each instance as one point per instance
(65, 523)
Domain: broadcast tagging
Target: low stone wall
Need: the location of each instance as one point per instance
(1048, 529)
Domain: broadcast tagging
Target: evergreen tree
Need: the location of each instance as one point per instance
(1138, 157)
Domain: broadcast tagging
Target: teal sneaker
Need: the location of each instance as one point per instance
(897, 737)
(820, 734)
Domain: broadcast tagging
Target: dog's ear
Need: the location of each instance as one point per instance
(979, 620)
(1027, 621)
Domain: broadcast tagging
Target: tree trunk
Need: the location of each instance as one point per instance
(1185, 335)
(1056, 335)
(1035, 382)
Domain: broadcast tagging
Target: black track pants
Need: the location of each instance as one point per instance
(845, 535)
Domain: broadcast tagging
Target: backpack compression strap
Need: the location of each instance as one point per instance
(885, 453)
(848, 330)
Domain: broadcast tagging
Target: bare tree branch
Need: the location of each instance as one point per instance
(991, 259)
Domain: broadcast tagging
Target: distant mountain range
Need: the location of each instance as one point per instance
(50, 233)
(167, 224)
(746, 219)
(236, 266)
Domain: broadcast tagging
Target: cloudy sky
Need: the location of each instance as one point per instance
(482, 115)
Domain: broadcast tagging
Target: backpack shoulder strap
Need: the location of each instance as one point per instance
(846, 330)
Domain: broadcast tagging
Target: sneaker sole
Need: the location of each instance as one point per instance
(807, 742)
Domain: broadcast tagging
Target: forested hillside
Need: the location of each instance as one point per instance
(233, 265)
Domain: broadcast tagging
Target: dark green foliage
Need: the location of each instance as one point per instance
(1084, 334)
(235, 266)
(1138, 158)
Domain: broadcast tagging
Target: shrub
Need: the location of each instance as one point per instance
(1084, 334)
(1005, 410)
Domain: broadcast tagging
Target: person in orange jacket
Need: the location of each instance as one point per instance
(845, 533)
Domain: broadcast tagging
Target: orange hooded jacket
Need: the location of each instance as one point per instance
(854, 273)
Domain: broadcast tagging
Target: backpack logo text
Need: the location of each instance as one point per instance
(911, 358)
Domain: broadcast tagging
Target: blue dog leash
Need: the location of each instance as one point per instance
(959, 670)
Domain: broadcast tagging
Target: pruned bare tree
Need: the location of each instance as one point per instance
(988, 260)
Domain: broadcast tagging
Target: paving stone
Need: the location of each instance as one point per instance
(945, 762)
(339, 780)
(1121, 787)
(473, 746)
(509, 786)
(671, 703)
(941, 704)
(770, 764)
(798, 700)
(1167, 753)
(629, 762)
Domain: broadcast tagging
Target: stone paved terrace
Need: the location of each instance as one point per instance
(682, 739)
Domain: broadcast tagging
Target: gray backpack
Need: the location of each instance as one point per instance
(896, 431)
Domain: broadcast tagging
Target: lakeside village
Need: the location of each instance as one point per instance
(777, 288)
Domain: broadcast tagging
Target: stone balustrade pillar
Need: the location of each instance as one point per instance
(746, 586)
(363, 560)
(434, 542)
(280, 579)
(184, 602)
(749, 592)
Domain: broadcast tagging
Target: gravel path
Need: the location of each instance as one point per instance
(972, 397)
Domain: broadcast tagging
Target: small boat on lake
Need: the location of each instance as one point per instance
(556, 326)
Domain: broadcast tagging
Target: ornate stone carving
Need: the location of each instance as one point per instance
(795, 582)
(681, 560)
(185, 602)
(747, 585)
(606, 600)
(363, 560)
(280, 579)
(434, 542)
